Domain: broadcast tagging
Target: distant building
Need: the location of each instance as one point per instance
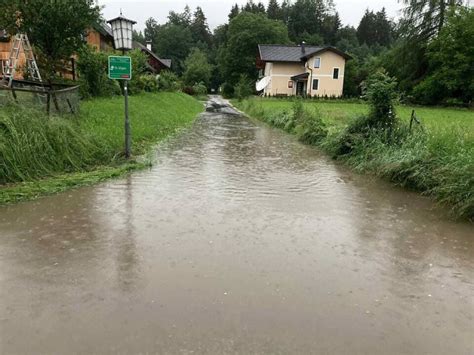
(301, 70)
(99, 37)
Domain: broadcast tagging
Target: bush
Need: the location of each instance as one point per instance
(227, 90)
(147, 83)
(168, 81)
(379, 90)
(200, 89)
(243, 89)
(92, 68)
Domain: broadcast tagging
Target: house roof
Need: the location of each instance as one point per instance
(104, 29)
(292, 53)
(165, 62)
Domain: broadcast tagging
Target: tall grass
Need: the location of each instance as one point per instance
(437, 160)
(34, 146)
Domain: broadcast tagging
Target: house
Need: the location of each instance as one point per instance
(290, 70)
(155, 64)
(99, 36)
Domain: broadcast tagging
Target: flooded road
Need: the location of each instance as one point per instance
(239, 240)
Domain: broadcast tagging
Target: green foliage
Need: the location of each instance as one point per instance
(56, 28)
(174, 41)
(380, 91)
(375, 28)
(93, 77)
(198, 69)
(243, 89)
(246, 31)
(92, 68)
(450, 57)
(168, 81)
(34, 146)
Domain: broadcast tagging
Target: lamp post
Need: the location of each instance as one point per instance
(122, 31)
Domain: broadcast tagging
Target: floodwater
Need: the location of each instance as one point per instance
(240, 240)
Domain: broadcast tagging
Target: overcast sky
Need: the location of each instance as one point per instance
(216, 11)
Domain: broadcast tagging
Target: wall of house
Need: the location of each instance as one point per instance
(281, 74)
(5, 48)
(327, 85)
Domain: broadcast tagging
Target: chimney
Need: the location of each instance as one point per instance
(148, 45)
(303, 47)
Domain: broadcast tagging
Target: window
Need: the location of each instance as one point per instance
(317, 62)
(315, 84)
(335, 73)
(290, 84)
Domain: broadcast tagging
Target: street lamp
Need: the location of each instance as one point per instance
(122, 32)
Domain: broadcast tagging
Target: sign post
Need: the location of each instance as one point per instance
(120, 68)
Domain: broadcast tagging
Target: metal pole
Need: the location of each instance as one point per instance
(128, 134)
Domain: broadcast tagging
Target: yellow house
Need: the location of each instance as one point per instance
(301, 70)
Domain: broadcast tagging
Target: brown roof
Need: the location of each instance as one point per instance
(165, 62)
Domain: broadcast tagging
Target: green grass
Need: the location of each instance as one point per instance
(340, 113)
(42, 155)
(437, 159)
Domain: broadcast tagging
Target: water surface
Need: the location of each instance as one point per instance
(239, 240)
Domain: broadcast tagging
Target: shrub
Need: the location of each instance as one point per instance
(200, 89)
(243, 89)
(227, 90)
(379, 90)
(168, 81)
(146, 82)
(92, 68)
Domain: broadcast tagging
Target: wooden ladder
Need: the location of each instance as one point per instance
(20, 41)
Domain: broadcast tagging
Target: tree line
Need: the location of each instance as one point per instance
(429, 50)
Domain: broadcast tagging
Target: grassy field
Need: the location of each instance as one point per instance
(436, 158)
(41, 155)
(340, 113)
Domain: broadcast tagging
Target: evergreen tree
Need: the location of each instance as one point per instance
(366, 28)
(274, 10)
(234, 12)
(200, 28)
(151, 29)
(181, 19)
(424, 19)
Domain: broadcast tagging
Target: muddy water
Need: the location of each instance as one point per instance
(241, 240)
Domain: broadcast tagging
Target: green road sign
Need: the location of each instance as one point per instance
(120, 68)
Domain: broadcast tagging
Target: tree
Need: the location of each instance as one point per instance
(234, 12)
(366, 31)
(200, 28)
(174, 42)
(274, 10)
(180, 19)
(55, 28)
(424, 19)
(139, 37)
(198, 70)
(151, 29)
(253, 8)
(307, 16)
(245, 32)
(450, 57)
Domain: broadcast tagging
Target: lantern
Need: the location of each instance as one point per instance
(122, 31)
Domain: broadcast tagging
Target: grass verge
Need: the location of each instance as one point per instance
(436, 159)
(41, 155)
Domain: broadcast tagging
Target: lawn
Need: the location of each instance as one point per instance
(340, 113)
(41, 155)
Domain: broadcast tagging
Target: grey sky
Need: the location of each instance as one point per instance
(217, 10)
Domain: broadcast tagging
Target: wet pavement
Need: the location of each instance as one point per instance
(239, 240)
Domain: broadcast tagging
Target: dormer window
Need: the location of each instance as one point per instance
(317, 62)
